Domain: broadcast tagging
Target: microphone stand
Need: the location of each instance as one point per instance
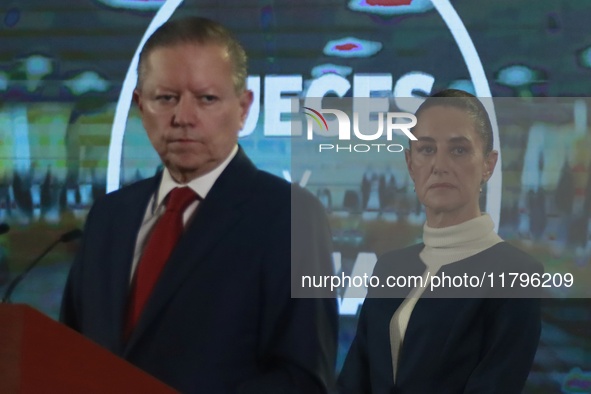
(69, 236)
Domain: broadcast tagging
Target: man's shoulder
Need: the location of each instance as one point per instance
(270, 182)
(129, 193)
(279, 187)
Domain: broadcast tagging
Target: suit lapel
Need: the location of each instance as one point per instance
(216, 214)
(123, 247)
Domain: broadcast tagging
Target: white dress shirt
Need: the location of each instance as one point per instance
(156, 207)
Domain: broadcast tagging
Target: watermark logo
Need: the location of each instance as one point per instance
(388, 123)
(317, 116)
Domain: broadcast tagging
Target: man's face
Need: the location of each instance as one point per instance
(448, 165)
(189, 107)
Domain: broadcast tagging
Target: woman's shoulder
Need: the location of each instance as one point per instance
(400, 259)
(409, 251)
(510, 256)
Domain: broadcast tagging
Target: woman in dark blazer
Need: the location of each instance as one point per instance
(446, 339)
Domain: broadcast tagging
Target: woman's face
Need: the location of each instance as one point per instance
(448, 165)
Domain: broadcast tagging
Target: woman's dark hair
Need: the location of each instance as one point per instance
(468, 103)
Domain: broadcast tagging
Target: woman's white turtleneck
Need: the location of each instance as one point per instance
(442, 246)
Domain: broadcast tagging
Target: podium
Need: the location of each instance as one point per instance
(39, 355)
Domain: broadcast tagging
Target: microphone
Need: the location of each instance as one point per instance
(66, 237)
(4, 228)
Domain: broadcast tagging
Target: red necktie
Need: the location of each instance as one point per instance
(164, 237)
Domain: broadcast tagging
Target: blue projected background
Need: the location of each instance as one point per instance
(68, 133)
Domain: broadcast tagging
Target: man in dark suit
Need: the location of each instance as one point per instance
(211, 310)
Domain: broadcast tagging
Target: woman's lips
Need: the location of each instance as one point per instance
(441, 186)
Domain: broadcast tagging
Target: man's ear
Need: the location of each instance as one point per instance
(245, 102)
(137, 99)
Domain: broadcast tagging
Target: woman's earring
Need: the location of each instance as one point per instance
(484, 180)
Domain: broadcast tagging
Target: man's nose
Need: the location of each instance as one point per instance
(185, 112)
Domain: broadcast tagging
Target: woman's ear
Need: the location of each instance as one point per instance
(490, 162)
(408, 157)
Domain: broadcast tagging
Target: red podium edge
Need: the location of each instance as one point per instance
(38, 354)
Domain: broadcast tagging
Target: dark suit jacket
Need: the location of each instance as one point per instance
(480, 344)
(220, 319)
